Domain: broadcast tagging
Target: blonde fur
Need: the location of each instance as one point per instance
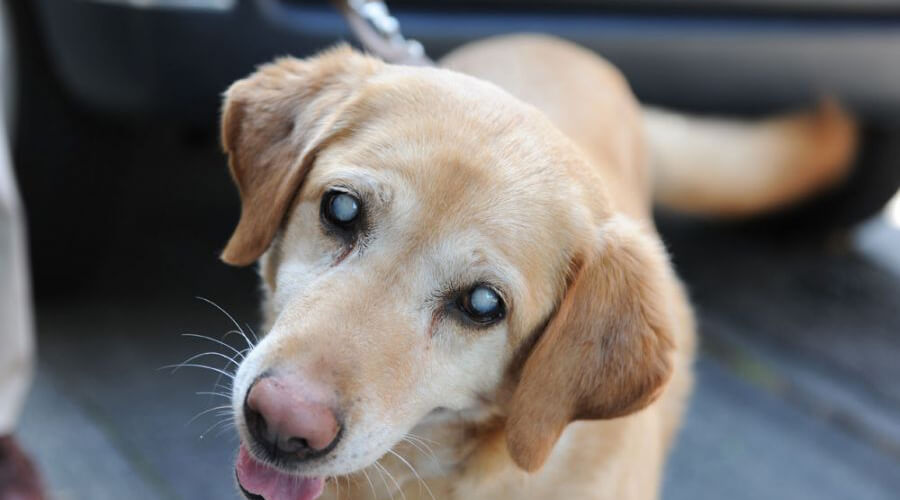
(524, 164)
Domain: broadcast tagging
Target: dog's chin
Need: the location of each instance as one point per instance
(261, 481)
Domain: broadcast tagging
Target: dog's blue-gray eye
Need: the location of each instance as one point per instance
(343, 208)
(484, 300)
(482, 304)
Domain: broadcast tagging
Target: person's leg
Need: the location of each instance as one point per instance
(18, 480)
(18, 477)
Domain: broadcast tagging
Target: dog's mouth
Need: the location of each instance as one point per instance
(260, 481)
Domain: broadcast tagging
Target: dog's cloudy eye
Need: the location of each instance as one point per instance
(340, 208)
(482, 304)
(344, 208)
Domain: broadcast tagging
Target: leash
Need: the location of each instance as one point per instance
(379, 32)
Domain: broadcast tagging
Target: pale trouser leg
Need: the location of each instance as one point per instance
(16, 336)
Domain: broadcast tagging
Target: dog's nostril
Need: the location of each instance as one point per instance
(296, 445)
(271, 440)
(257, 426)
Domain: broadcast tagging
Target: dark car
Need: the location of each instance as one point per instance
(170, 59)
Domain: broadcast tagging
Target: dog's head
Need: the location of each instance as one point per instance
(427, 243)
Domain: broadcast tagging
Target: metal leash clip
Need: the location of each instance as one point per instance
(379, 32)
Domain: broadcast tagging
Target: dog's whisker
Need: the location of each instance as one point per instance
(253, 333)
(210, 353)
(238, 355)
(211, 393)
(196, 365)
(230, 317)
(225, 428)
(217, 341)
(394, 480)
(427, 453)
(381, 472)
(242, 335)
(423, 448)
(417, 447)
(213, 426)
(204, 412)
(222, 389)
(218, 386)
(413, 439)
(415, 473)
(371, 485)
(422, 439)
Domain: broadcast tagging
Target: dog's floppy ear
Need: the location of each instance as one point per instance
(605, 352)
(273, 123)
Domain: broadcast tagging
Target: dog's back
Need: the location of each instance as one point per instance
(708, 166)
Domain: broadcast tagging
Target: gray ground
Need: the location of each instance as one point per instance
(796, 395)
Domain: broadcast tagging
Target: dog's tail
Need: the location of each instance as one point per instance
(723, 167)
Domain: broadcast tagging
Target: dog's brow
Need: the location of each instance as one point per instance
(478, 262)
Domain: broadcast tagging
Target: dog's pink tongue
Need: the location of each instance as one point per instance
(272, 484)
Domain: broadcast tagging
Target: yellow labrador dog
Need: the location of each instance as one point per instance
(465, 295)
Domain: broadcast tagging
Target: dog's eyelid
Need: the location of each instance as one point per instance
(501, 291)
(457, 286)
(496, 285)
(342, 188)
(370, 196)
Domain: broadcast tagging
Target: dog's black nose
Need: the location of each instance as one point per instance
(288, 424)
